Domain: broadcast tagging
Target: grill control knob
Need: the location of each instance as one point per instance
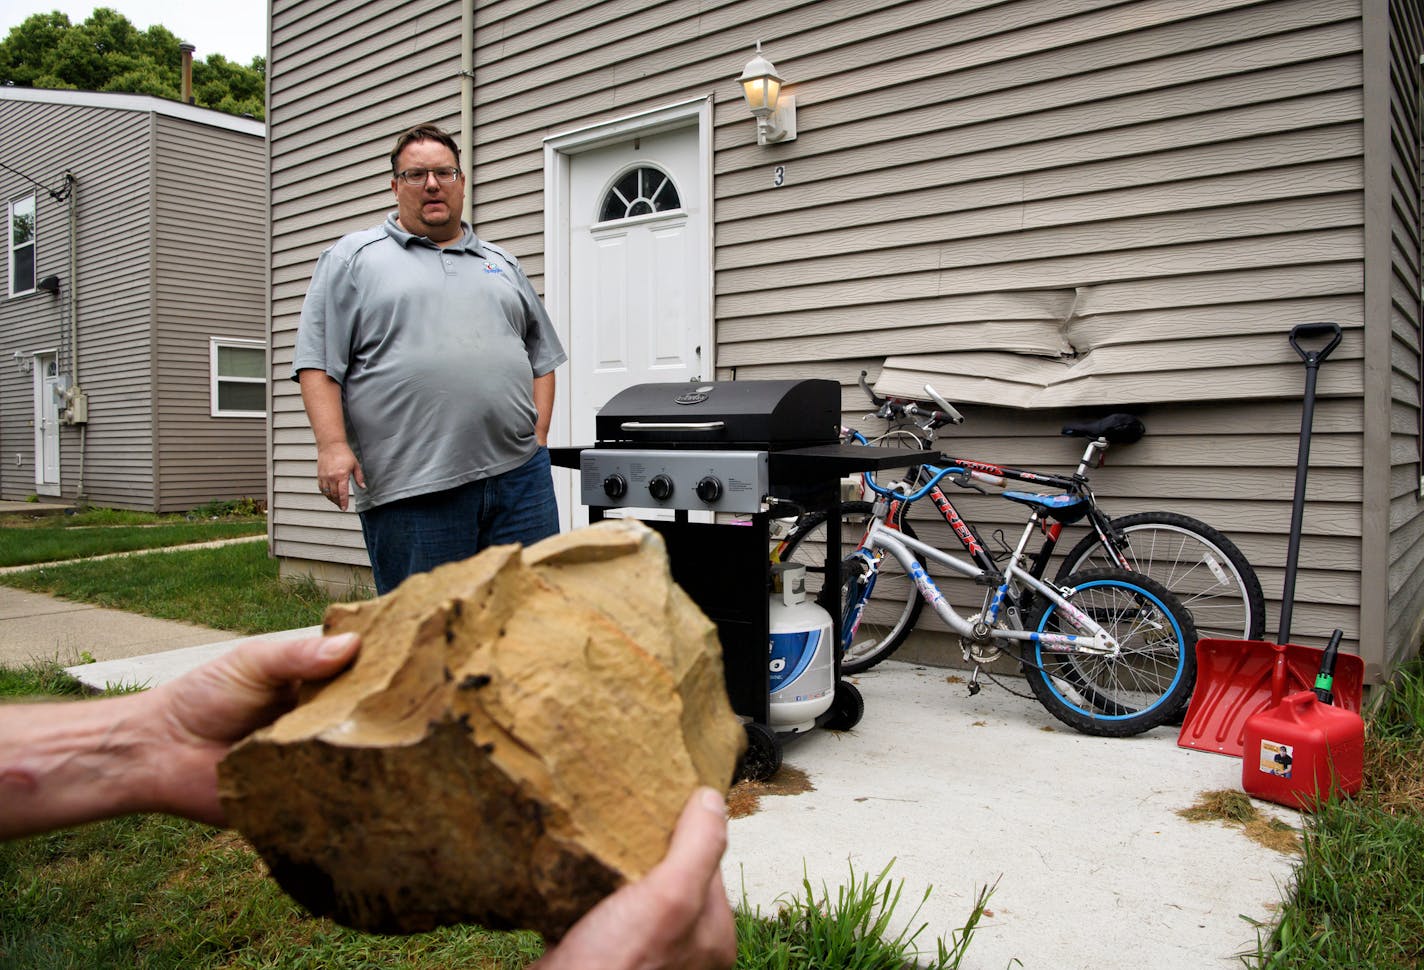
(615, 486)
(709, 489)
(660, 487)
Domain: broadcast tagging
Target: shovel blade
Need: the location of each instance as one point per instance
(1238, 678)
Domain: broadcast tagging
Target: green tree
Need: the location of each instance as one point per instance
(108, 53)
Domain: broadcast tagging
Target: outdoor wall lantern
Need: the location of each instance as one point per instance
(775, 115)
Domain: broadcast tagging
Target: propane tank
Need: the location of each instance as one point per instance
(802, 663)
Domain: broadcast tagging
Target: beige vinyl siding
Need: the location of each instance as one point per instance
(210, 223)
(150, 232)
(108, 153)
(1405, 599)
(345, 80)
(1177, 185)
(30, 322)
(1047, 208)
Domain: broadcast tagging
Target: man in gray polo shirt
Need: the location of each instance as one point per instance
(426, 362)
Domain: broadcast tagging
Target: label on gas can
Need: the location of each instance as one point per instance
(1277, 758)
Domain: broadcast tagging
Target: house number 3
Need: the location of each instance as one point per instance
(778, 175)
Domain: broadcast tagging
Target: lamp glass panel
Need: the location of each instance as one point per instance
(762, 92)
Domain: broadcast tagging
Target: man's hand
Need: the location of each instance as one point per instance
(336, 465)
(675, 918)
(200, 715)
(69, 763)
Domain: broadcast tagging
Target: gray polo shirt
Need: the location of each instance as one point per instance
(435, 350)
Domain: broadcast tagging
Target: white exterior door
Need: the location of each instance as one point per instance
(46, 372)
(637, 291)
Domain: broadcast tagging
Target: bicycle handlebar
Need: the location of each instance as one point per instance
(944, 406)
(935, 475)
(891, 408)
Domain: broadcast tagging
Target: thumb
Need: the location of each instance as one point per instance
(699, 838)
(274, 663)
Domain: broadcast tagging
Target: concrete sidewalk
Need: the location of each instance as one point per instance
(34, 626)
(1094, 867)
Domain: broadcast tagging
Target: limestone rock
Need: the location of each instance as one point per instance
(515, 740)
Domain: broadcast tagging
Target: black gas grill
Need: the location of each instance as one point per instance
(720, 447)
(752, 450)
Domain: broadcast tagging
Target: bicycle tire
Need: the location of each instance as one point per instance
(1196, 563)
(895, 604)
(1150, 681)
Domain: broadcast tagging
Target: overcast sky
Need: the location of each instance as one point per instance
(236, 29)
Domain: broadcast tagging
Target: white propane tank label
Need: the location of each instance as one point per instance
(801, 663)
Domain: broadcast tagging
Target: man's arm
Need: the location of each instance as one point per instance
(544, 405)
(335, 461)
(68, 763)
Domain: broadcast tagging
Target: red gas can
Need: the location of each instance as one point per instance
(1301, 750)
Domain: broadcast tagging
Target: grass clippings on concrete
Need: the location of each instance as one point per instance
(745, 797)
(1235, 808)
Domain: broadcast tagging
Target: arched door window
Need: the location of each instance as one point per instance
(639, 192)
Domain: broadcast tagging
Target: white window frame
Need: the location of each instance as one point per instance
(214, 379)
(32, 245)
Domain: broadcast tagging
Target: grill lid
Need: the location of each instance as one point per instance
(767, 414)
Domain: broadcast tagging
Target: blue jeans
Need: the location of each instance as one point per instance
(415, 535)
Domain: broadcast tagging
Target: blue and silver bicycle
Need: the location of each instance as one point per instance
(1107, 651)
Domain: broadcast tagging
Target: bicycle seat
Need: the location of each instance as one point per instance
(1064, 508)
(1120, 429)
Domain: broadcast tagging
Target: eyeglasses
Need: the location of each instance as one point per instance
(417, 176)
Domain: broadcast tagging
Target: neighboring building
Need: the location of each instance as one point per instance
(1047, 209)
(133, 319)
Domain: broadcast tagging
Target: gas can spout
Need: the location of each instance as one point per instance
(1325, 680)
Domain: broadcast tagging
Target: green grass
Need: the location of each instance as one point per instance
(851, 932)
(26, 538)
(154, 893)
(233, 588)
(1358, 899)
(40, 679)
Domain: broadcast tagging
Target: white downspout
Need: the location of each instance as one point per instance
(467, 102)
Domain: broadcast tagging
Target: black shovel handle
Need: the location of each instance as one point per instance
(1312, 360)
(1309, 331)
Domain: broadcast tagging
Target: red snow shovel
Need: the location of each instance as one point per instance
(1238, 678)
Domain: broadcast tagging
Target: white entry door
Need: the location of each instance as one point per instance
(638, 300)
(46, 372)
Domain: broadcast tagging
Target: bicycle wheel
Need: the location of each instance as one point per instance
(895, 603)
(1197, 564)
(1147, 684)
